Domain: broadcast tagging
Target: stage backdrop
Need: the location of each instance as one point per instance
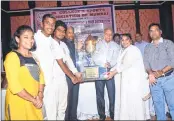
(77, 15)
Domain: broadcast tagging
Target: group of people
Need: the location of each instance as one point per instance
(45, 84)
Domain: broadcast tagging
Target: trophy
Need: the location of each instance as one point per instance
(91, 70)
(90, 46)
(86, 38)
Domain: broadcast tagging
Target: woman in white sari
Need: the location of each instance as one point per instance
(134, 86)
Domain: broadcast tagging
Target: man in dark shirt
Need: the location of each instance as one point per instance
(73, 89)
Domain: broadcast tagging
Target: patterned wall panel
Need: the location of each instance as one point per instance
(45, 4)
(125, 22)
(17, 21)
(71, 3)
(15, 5)
(148, 16)
(173, 18)
(96, 2)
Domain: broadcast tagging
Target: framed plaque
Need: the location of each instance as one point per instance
(86, 38)
(91, 72)
(95, 73)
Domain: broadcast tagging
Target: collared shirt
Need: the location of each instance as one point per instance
(156, 57)
(44, 55)
(141, 46)
(68, 59)
(58, 54)
(106, 52)
(61, 50)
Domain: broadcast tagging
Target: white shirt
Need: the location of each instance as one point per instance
(44, 55)
(60, 51)
(68, 59)
(58, 54)
(141, 46)
(106, 52)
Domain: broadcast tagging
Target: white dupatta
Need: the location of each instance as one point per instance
(145, 91)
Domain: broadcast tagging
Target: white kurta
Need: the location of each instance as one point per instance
(134, 85)
(44, 54)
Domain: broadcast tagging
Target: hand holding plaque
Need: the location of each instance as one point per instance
(79, 76)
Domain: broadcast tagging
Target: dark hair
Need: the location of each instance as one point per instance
(127, 35)
(139, 33)
(116, 35)
(20, 30)
(155, 24)
(47, 16)
(60, 23)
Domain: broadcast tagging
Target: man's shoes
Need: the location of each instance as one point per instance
(109, 119)
(168, 115)
(102, 118)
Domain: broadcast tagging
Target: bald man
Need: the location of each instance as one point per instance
(106, 55)
(73, 89)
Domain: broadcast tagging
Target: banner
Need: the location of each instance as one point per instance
(77, 15)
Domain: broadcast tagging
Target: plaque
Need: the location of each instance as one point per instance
(95, 73)
(91, 72)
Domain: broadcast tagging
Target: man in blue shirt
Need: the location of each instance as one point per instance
(141, 44)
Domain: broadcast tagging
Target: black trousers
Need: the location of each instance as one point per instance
(73, 93)
(110, 85)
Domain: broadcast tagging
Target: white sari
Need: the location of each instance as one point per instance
(132, 85)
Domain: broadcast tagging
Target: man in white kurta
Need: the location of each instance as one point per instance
(44, 55)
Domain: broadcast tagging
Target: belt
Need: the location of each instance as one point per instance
(168, 73)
